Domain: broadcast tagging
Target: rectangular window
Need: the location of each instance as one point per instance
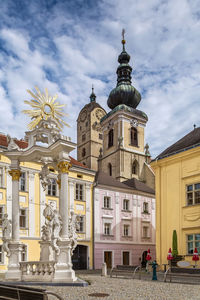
(100, 136)
(81, 225)
(1, 177)
(24, 253)
(193, 194)
(1, 254)
(52, 187)
(126, 230)
(22, 218)
(83, 137)
(193, 241)
(125, 204)
(145, 231)
(23, 181)
(79, 191)
(107, 202)
(107, 229)
(145, 207)
(1, 214)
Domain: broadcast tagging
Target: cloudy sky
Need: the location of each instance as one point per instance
(68, 45)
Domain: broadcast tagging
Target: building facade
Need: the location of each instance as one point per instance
(33, 198)
(89, 133)
(125, 227)
(177, 172)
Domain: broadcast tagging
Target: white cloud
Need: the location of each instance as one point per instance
(67, 50)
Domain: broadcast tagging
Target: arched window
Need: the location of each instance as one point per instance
(83, 152)
(110, 169)
(110, 137)
(135, 167)
(134, 136)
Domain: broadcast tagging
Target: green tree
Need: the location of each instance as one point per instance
(174, 244)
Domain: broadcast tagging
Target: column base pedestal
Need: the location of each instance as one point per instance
(14, 272)
(46, 251)
(63, 266)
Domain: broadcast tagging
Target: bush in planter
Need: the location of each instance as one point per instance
(174, 244)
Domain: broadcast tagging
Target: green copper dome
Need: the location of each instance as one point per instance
(124, 93)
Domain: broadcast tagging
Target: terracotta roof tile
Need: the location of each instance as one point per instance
(22, 144)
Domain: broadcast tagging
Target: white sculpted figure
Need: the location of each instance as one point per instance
(6, 233)
(52, 228)
(11, 144)
(45, 180)
(74, 225)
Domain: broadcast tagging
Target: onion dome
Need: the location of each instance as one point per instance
(92, 96)
(124, 93)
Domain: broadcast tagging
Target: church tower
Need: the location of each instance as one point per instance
(124, 154)
(89, 133)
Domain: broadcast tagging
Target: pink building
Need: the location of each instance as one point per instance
(124, 221)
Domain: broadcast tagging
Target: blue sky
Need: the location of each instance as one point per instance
(67, 46)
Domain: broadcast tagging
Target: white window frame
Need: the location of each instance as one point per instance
(193, 241)
(50, 190)
(82, 227)
(107, 228)
(145, 207)
(192, 192)
(3, 212)
(126, 204)
(25, 181)
(126, 230)
(1, 177)
(107, 202)
(24, 246)
(79, 191)
(2, 255)
(26, 217)
(145, 231)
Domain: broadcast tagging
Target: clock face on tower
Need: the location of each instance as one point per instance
(83, 116)
(99, 114)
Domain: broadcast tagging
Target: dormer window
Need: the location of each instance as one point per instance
(134, 136)
(110, 138)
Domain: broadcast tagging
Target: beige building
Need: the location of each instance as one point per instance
(114, 142)
(89, 133)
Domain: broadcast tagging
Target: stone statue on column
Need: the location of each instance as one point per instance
(6, 233)
(52, 228)
(74, 225)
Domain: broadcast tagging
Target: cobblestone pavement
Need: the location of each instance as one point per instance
(122, 289)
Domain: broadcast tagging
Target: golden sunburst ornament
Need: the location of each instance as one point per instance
(44, 106)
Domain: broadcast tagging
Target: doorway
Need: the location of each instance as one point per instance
(108, 259)
(144, 261)
(125, 258)
(79, 258)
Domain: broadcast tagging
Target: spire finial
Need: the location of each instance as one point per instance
(92, 96)
(123, 39)
(194, 126)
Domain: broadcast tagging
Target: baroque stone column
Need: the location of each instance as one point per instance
(63, 266)
(15, 246)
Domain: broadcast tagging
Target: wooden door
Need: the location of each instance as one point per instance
(108, 259)
(126, 258)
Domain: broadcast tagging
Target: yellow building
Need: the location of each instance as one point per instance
(32, 203)
(177, 173)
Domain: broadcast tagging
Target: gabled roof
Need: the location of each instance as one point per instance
(190, 140)
(130, 185)
(105, 179)
(139, 186)
(23, 144)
